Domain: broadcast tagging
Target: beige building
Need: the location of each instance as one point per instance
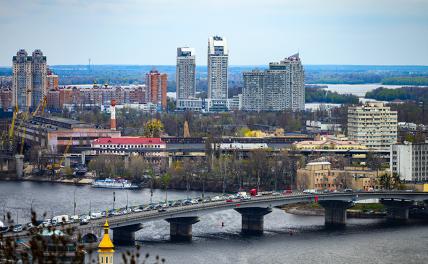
(328, 142)
(373, 125)
(320, 176)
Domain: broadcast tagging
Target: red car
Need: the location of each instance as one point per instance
(229, 201)
(289, 191)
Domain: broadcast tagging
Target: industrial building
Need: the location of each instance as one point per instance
(56, 133)
(129, 145)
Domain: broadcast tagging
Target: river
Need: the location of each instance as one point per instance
(287, 238)
(359, 90)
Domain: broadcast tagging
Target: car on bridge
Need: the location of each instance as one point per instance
(137, 209)
(18, 228)
(84, 221)
(148, 207)
(288, 191)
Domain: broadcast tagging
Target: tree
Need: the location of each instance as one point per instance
(153, 128)
(137, 166)
(374, 162)
(389, 181)
(166, 179)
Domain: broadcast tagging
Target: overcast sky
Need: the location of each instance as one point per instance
(380, 32)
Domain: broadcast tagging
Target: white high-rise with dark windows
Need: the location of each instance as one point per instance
(186, 80)
(29, 79)
(218, 59)
(279, 88)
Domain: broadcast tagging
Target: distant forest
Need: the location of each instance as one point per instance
(319, 95)
(314, 74)
(404, 93)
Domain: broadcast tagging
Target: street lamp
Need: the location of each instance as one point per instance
(114, 199)
(126, 200)
(151, 190)
(74, 203)
(90, 209)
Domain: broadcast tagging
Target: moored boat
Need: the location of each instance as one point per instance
(114, 184)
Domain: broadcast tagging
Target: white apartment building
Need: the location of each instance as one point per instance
(410, 161)
(373, 125)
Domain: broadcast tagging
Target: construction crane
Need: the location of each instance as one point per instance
(12, 127)
(57, 166)
(42, 105)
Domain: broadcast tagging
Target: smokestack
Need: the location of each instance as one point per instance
(113, 115)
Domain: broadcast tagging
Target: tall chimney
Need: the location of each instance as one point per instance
(113, 115)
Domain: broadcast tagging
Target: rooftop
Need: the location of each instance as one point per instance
(319, 163)
(128, 140)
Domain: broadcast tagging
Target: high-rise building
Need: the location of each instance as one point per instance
(373, 124)
(39, 70)
(22, 80)
(186, 73)
(279, 88)
(410, 161)
(157, 86)
(186, 80)
(218, 59)
(29, 79)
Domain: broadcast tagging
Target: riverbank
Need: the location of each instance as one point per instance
(357, 211)
(80, 181)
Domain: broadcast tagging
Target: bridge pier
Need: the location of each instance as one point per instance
(180, 228)
(335, 212)
(252, 219)
(125, 235)
(397, 210)
(19, 163)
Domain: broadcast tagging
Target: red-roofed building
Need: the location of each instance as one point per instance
(131, 145)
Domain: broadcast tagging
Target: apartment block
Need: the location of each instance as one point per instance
(410, 161)
(279, 88)
(157, 83)
(321, 176)
(373, 125)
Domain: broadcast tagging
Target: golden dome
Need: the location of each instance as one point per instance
(106, 245)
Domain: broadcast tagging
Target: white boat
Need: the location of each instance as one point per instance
(113, 184)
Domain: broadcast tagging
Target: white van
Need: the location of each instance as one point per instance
(96, 215)
(60, 219)
(310, 191)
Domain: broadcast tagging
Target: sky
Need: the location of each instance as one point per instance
(147, 32)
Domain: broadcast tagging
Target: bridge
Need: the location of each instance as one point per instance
(253, 210)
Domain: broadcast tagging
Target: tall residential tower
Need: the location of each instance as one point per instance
(186, 80)
(29, 79)
(218, 59)
(279, 88)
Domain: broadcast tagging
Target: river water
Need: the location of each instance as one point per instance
(287, 238)
(359, 90)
